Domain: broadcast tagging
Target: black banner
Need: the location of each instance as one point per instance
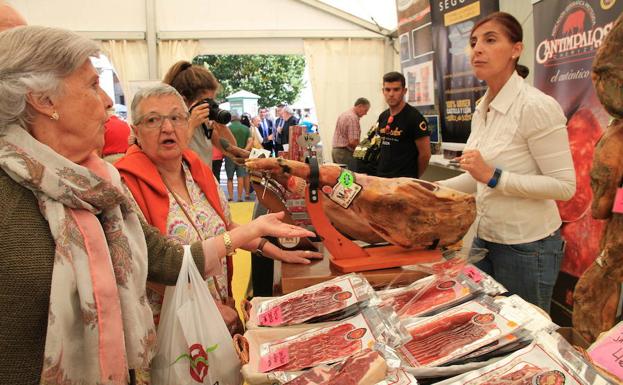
(452, 24)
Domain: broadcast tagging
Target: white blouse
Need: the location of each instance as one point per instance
(522, 132)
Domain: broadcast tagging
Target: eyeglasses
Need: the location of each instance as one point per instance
(154, 121)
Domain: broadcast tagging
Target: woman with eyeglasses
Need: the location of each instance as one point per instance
(177, 192)
(75, 251)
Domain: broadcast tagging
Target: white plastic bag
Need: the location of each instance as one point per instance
(194, 345)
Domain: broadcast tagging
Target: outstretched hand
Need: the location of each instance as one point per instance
(271, 225)
(298, 256)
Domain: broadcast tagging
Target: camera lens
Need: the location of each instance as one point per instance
(222, 116)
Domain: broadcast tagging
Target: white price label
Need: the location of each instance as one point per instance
(259, 153)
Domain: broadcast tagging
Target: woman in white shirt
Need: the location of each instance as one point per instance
(518, 162)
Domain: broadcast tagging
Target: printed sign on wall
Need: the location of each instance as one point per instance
(452, 24)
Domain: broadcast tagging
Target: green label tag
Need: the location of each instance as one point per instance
(347, 178)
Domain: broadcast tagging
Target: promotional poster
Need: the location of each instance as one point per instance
(568, 33)
(416, 53)
(567, 36)
(452, 25)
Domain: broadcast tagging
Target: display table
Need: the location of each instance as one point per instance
(440, 168)
(296, 276)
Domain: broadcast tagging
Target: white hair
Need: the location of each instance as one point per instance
(160, 89)
(36, 59)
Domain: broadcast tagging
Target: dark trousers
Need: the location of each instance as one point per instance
(269, 146)
(216, 169)
(261, 267)
(278, 147)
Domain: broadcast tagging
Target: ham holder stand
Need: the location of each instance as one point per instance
(346, 255)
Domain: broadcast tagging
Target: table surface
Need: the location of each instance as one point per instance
(296, 276)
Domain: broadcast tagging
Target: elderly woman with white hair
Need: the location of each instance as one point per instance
(177, 192)
(75, 252)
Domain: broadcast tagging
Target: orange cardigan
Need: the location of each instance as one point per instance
(145, 183)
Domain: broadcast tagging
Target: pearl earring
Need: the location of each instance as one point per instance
(54, 116)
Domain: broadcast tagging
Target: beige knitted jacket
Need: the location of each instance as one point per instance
(26, 260)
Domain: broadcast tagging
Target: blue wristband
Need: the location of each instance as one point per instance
(495, 178)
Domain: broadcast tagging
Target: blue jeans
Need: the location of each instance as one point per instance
(526, 269)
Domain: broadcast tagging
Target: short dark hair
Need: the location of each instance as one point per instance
(362, 101)
(394, 76)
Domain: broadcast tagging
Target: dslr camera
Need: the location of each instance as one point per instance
(215, 114)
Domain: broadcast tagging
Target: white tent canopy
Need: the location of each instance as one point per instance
(346, 55)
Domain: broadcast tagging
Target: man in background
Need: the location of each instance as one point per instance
(279, 122)
(9, 17)
(405, 137)
(283, 132)
(243, 140)
(266, 127)
(348, 132)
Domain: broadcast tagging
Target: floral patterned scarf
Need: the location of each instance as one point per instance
(99, 322)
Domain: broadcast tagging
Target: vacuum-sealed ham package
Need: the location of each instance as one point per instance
(456, 332)
(327, 301)
(548, 360)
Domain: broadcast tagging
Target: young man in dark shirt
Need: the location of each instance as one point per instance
(405, 137)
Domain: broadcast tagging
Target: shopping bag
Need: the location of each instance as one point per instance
(194, 345)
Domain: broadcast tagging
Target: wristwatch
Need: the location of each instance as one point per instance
(495, 178)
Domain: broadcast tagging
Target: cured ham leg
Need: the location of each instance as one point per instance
(410, 213)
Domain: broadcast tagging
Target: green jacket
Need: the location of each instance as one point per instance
(26, 261)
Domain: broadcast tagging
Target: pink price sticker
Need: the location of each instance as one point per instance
(609, 352)
(472, 273)
(618, 202)
(273, 360)
(271, 317)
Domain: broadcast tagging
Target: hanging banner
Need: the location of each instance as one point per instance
(416, 53)
(452, 25)
(567, 35)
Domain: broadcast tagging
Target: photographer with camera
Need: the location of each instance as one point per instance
(198, 87)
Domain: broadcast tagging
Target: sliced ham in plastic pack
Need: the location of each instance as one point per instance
(456, 332)
(363, 368)
(333, 343)
(513, 307)
(429, 295)
(548, 360)
(326, 301)
(452, 263)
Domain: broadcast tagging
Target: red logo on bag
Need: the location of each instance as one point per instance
(198, 357)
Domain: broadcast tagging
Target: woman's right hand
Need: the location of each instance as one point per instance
(199, 115)
(271, 225)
